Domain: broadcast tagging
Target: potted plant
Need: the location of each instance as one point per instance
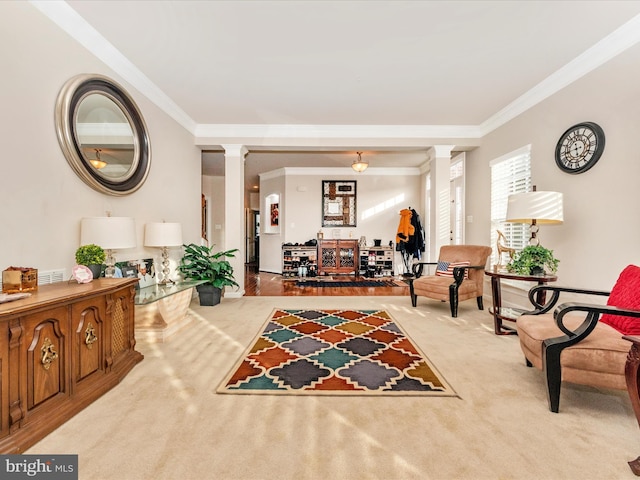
(533, 260)
(199, 262)
(92, 256)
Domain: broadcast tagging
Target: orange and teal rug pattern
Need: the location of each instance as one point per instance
(335, 352)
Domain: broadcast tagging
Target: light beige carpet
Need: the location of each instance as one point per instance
(165, 421)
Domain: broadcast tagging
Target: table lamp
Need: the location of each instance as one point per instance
(535, 208)
(111, 233)
(163, 235)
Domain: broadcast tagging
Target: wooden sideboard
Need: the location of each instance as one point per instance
(61, 349)
(337, 257)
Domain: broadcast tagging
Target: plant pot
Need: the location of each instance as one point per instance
(96, 270)
(536, 271)
(209, 295)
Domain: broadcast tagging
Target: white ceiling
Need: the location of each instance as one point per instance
(447, 64)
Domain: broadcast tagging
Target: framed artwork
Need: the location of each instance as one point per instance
(339, 203)
(143, 269)
(272, 209)
(204, 217)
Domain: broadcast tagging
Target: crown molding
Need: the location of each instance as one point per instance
(71, 22)
(609, 47)
(340, 171)
(335, 131)
(79, 29)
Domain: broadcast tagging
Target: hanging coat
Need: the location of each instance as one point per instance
(405, 228)
(415, 244)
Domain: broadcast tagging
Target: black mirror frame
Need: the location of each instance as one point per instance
(69, 98)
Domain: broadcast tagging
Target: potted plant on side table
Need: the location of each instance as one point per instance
(199, 262)
(92, 256)
(533, 260)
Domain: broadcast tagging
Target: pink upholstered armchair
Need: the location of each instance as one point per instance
(459, 276)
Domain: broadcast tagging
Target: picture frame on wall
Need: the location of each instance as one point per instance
(204, 213)
(272, 209)
(339, 201)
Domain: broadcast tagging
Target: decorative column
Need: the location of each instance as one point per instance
(234, 213)
(440, 229)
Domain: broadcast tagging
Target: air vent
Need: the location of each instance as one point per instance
(51, 276)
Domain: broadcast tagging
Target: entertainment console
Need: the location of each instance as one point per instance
(61, 349)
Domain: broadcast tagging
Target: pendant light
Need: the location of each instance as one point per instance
(359, 165)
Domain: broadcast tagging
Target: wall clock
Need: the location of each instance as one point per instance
(580, 147)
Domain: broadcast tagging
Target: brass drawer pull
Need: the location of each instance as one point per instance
(48, 353)
(90, 336)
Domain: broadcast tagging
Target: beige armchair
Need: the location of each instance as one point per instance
(459, 276)
(583, 342)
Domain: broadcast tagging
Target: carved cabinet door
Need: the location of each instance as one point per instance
(4, 379)
(44, 353)
(88, 340)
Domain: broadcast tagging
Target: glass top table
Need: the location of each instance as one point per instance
(501, 313)
(153, 293)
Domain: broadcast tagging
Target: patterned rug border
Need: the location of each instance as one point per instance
(448, 392)
(346, 283)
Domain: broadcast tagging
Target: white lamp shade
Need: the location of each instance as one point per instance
(162, 234)
(543, 207)
(111, 233)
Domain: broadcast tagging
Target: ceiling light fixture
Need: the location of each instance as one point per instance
(359, 165)
(97, 163)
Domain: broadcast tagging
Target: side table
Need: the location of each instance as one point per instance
(501, 313)
(161, 310)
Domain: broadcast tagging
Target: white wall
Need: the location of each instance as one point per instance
(380, 197)
(42, 198)
(600, 233)
(271, 243)
(213, 189)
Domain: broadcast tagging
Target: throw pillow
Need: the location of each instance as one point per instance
(625, 294)
(445, 269)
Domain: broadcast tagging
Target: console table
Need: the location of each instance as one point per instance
(60, 349)
(501, 313)
(161, 310)
(337, 257)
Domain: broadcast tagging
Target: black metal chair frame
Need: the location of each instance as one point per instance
(552, 347)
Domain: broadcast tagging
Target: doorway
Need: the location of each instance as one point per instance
(252, 237)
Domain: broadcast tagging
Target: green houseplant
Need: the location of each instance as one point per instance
(91, 256)
(533, 260)
(199, 262)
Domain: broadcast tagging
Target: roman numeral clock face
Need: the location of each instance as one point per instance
(580, 147)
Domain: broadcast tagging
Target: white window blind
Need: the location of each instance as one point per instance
(510, 173)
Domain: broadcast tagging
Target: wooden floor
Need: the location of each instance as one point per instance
(263, 284)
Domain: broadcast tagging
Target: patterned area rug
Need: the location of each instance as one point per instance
(345, 283)
(335, 352)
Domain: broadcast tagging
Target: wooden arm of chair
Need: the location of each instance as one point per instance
(552, 347)
(571, 337)
(556, 290)
(458, 272)
(419, 266)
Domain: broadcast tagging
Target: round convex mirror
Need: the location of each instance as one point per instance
(102, 134)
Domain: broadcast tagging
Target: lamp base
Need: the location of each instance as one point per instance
(534, 228)
(110, 261)
(165, 268)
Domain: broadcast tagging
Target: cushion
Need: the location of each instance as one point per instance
(445, 269)
(625, 294)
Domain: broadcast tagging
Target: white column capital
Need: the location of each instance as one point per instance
(235, 150)
(443, 151)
